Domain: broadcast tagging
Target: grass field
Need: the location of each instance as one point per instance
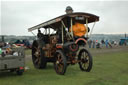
(110, 67)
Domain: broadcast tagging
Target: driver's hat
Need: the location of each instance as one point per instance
(68, 8)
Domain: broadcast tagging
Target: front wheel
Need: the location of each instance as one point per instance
(60, 63)
(85, 59)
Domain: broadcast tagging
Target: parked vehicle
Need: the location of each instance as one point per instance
(123, 41)
(12, 59)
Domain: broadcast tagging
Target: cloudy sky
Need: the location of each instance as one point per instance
(18, 16)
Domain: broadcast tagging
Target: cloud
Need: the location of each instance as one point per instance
(17, 16)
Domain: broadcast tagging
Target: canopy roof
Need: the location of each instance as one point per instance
(76, 17)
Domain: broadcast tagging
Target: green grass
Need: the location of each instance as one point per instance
(108, 69)
(27, 51)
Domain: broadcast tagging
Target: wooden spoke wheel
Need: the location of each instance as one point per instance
(38, 58)
(85, 58)
(60, 63)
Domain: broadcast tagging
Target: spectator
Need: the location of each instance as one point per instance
(98, 45)
(93, 43)
(102, 42)
(90, 43)
(109, 44)
(106, 43)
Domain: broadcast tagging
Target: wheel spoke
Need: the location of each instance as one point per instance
(60, 67)
(36, 54)
(85, 66)
(39, 61)
(36, 60)
(36, 48)
(59, 58)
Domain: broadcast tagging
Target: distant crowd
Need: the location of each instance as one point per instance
(103, 43)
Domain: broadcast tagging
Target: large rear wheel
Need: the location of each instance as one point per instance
(60, 63)
(85, 59)
(38, 57)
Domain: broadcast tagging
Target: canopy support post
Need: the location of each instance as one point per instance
(66, 30)
(71, 28)
(62, 35)
(92, 28)
(63, 24)
(87, 26)
(49, 31)
(33, 33)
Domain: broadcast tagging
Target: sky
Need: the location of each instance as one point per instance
(17, 16)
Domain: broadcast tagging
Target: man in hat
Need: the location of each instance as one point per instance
(69, 10)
